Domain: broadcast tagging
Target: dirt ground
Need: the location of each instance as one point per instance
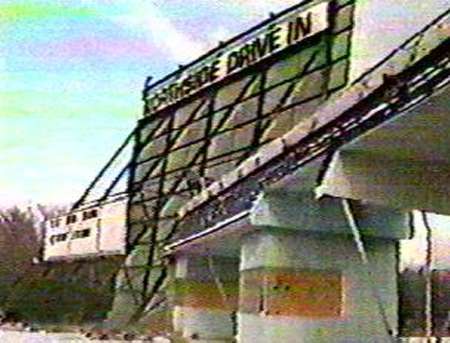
(41, 337)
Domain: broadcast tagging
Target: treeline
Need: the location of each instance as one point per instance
(72, 292)
(412, 288)
(21, 235)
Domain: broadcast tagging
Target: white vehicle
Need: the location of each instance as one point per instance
(87, 232)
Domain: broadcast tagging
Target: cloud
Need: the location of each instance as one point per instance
(163, 33)
(261, 7)
(168, 34)
(219, 34)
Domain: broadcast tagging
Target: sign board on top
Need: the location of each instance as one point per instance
(276, 36)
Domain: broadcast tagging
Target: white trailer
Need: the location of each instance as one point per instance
(90, 231)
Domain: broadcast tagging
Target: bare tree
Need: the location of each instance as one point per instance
(21, 242)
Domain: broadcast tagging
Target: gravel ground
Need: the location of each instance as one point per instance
(36, 337)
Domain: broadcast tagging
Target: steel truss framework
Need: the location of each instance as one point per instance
(396, 95)
(385, 103)
(152, 184)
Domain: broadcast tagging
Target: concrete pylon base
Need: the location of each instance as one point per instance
(205, 297)
(309, 287)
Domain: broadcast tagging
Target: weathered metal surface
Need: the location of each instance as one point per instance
(293, 293)
(419, 68)
(185, 147)
(267, 39)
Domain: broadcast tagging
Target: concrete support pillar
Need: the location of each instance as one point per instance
(313, 287)
(205, 298)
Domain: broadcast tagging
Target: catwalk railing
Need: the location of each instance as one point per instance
(390, 88)
(405, 78)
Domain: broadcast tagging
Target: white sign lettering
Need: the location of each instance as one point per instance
(279, 35)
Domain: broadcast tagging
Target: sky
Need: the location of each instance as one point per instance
(71, 76)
